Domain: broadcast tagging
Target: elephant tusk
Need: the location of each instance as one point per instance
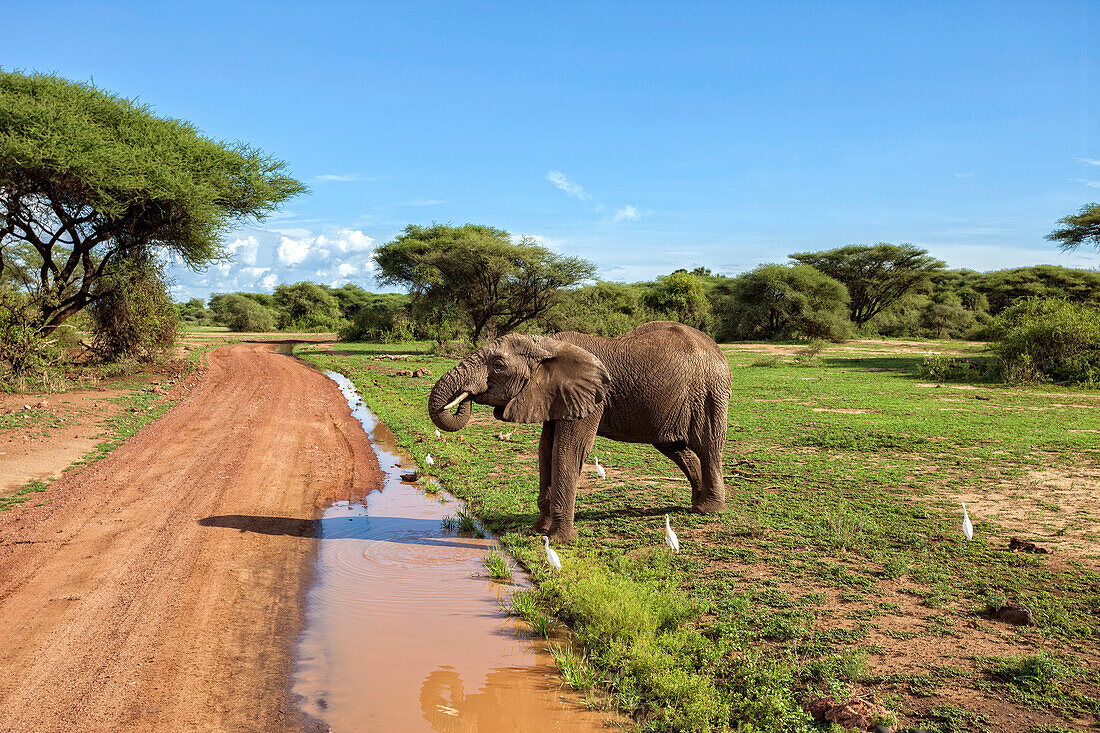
(456, 400)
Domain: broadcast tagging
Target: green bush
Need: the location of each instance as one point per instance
(1042, 339)
(307, 306)
(134, 317)
(681, 297)
(784, 302)
(381, 318)
(606, 309)
(240, 313)
(24, 351)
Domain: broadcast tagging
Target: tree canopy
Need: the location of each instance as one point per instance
(875, 275)
(783, 302)
(1080, 228)
(479, 275)
(683, 297)
(88, 178)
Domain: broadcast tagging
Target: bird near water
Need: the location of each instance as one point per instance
(671, 539)
(968, 528)
(599, 469)
(551, 556)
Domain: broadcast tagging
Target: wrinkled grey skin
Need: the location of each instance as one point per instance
(662, 383)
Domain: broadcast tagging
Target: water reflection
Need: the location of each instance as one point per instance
(508, 702)
(404, 632)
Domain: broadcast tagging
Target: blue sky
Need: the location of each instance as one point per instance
(642, 136)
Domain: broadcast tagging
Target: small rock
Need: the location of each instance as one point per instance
(26, 407)
(1013, 613)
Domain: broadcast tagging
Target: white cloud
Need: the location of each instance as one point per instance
(573, 189)
(340, 177)
(1088, 161)
(265, 257)
(294, 251)
(1090, 184)
(964, 175)
(244, 250)
(627, 213)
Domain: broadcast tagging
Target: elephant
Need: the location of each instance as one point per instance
(663, 383)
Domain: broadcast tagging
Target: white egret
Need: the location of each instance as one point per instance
(551, 556)
(599, 469)
(429, 460)
(968, 528)
(671, 539)
(438, 434)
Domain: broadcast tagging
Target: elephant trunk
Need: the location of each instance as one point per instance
(470, 376)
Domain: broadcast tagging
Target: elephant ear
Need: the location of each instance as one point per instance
(567, 383)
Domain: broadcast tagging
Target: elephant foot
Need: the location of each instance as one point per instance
(562, 533)
(713, 506)
(543, 525)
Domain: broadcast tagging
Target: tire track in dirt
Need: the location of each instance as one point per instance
(161, 588)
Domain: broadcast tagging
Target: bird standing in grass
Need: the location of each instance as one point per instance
(551, 556)
(429, 460)
(968, 528)
(671, 539)
(599, 469)
(438, 434)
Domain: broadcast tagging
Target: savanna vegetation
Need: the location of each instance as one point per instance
(840, 568)
(96, 193)
(471, 283)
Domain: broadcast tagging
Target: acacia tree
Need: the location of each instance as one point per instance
(88, 179)
(876, 276)
(1079, 228)
(479, 274)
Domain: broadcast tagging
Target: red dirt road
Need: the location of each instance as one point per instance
(161, 589)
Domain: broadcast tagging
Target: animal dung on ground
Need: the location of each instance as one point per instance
(408, 477)
(1018, 545)
(857, 712)
(1013, 613)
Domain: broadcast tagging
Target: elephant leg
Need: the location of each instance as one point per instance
(573, 439)
(710, 445)
(711, 497)
(688, 462)
(546, 458)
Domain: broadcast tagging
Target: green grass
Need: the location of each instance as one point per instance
(23, 495)
(841, 541)
(497, 565)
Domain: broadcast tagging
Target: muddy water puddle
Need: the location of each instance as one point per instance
(403, 630)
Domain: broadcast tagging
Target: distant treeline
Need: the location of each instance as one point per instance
(771, 302)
